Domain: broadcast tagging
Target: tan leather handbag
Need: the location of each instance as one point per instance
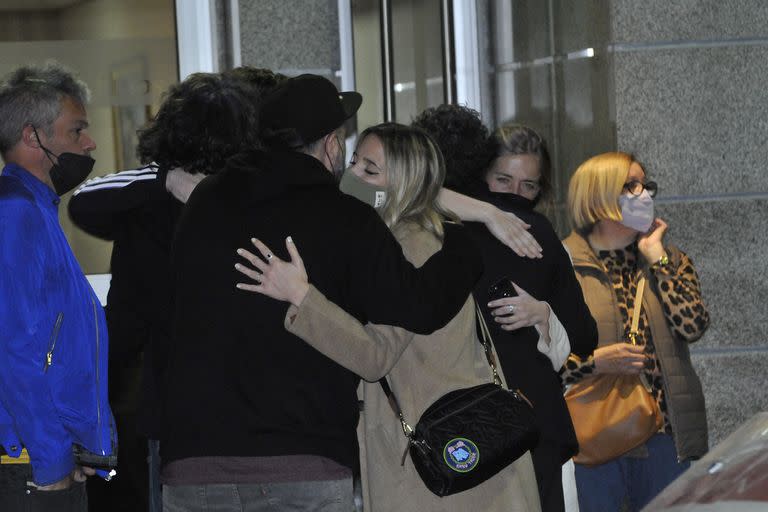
(613, 413)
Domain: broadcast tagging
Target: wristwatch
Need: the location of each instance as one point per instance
(662, 262)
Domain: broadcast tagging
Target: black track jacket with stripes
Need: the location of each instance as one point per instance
(134, 211)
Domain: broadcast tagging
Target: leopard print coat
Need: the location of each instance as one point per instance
(680, 297)
(673, 316)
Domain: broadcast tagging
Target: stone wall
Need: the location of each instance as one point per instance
(681, 86)
(690, 103)
(291, 36)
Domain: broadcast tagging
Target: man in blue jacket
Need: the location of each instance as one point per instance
(53, 336)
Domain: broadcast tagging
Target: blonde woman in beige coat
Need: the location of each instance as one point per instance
(399, 168)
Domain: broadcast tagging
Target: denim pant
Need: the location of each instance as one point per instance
(155, 489)
(322, 496)
(637, 481)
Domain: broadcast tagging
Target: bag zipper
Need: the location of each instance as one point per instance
(52, 343)
(462, 409)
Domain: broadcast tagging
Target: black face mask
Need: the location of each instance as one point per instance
(69, 169)
(508, 200)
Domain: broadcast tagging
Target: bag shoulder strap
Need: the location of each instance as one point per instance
(485, 340)
(633, 332)
(407, 429)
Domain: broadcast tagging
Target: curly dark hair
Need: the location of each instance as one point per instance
(263, 79)
(464, 141)
(201, 123)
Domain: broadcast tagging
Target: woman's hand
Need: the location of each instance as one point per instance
(281, 280)
(620, 358)
(512, 232)
(522, 311)
(651, 244)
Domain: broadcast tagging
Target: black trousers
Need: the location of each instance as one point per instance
(549, 476)
(128, 491)
(18, 496)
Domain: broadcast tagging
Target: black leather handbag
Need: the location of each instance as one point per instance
(468, 435)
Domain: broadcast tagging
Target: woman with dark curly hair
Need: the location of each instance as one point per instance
(479, 165)
(201, 122)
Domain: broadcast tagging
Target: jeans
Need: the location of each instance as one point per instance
(155, 489)
(17, 496)
(322, 496)
(604, 488)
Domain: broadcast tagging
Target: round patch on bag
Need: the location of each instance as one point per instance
(461, 454)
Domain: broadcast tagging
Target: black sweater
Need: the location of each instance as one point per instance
(551, 279)
(239, 384)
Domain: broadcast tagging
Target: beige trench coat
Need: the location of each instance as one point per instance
(420, 369)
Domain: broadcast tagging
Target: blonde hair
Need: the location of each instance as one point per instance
(516, 139)
(415, 173)
(593, 194)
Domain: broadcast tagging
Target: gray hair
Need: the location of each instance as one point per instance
(32, 95)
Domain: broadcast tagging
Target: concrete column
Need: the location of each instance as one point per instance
(291, 36)
(680, 85)
(690, 104)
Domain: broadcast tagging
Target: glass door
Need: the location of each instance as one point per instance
(403, 57)
(125, 50)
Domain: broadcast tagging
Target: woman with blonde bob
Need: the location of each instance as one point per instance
(400, 168)
(616, 241)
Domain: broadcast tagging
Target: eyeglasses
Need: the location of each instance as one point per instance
(636, 188)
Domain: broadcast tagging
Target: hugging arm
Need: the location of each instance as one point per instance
(367, 350)
(389, 290)
(392, 291)
(505, 226)
(101, 204)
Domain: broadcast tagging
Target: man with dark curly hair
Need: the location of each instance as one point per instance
(201, 123)
(464, 141)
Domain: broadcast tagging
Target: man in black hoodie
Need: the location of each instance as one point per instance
(249, 404)
(202, 121)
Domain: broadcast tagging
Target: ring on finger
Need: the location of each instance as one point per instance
(511, 308)
(269, 255)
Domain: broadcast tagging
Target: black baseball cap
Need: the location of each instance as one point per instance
(303, 109)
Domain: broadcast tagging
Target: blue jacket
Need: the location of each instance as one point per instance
(53, 337)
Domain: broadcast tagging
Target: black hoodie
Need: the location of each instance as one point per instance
(238, 383)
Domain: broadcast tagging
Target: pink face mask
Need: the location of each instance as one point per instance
(637, 211)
